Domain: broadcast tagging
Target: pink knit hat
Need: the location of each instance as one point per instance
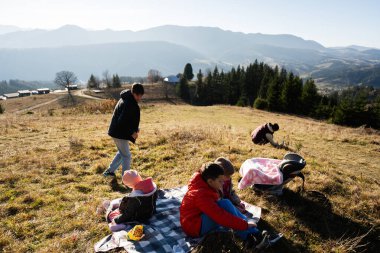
(131, 178)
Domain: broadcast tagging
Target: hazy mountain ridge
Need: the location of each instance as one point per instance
(9, 29)
(134, 58)
(16, 85)
(170, 48)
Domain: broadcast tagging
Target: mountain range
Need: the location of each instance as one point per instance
(39, 54)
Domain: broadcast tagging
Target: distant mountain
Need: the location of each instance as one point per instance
(16, 85)
(199, 38)
(360, 48)
(9, 29)
(39, 54)
(131, 59)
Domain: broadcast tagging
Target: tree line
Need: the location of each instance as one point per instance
(275, 89)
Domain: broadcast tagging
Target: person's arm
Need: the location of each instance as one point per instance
(208, 206)
(128, 207)
(270, 139)
(235, 198)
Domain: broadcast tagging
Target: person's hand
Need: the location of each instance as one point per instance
(251, 224)
(135, 135)
(241, 208)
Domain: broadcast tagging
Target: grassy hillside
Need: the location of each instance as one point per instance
(51, 165)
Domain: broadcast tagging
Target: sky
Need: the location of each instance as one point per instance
(329, 22)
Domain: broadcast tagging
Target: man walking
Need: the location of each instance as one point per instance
(124, 127)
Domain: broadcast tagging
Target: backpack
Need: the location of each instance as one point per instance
(290, 168)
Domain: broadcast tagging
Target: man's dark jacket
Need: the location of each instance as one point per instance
(126, 117)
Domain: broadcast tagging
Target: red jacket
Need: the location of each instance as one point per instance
(201, 198)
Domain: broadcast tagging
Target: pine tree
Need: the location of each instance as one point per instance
(310, 98)
(116, 81)
(188, 72)
(92, 82)
(183, 89)
(273, 96)
(252, 81)
(199, 89)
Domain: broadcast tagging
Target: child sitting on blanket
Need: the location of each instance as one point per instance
(228, 191)
(202, 210)
(139, 205)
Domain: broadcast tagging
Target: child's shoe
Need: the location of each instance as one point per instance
(117, 227)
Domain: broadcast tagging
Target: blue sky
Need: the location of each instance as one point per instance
(329, 22)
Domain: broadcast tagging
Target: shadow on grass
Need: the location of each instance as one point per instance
(69, 100)
(115, 186)
(226, 241)
(221, 241)
(314, 210)
(284, 245)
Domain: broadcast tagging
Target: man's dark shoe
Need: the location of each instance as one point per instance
(267, 241)
(264, 243)
(251, 241)
(274, 238)
(108, 174)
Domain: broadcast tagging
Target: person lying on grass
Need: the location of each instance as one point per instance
(139, 205)
(228, 191)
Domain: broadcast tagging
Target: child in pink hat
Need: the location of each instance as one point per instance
(139, 205)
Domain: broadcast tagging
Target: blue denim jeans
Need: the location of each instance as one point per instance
(123, 156)
(209, 225)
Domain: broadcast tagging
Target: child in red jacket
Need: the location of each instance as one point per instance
(228, 191)
(202, 209)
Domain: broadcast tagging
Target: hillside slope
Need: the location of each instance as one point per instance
(50, 171)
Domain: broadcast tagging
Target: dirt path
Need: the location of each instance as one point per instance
(39, 105)
(80, 93)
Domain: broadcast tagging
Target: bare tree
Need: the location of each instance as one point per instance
(107, 78)
(66, 79)
(154, 75)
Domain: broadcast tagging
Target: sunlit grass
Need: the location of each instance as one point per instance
(51, 165)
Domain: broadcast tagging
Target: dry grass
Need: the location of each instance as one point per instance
(51, 182)
(14, 104)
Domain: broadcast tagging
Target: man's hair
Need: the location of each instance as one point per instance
(275, 126)
(138, 89)
(211, 171)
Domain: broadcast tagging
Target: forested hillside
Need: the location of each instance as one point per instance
(276, 89)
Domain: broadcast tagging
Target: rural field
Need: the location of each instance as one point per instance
(52, 159)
